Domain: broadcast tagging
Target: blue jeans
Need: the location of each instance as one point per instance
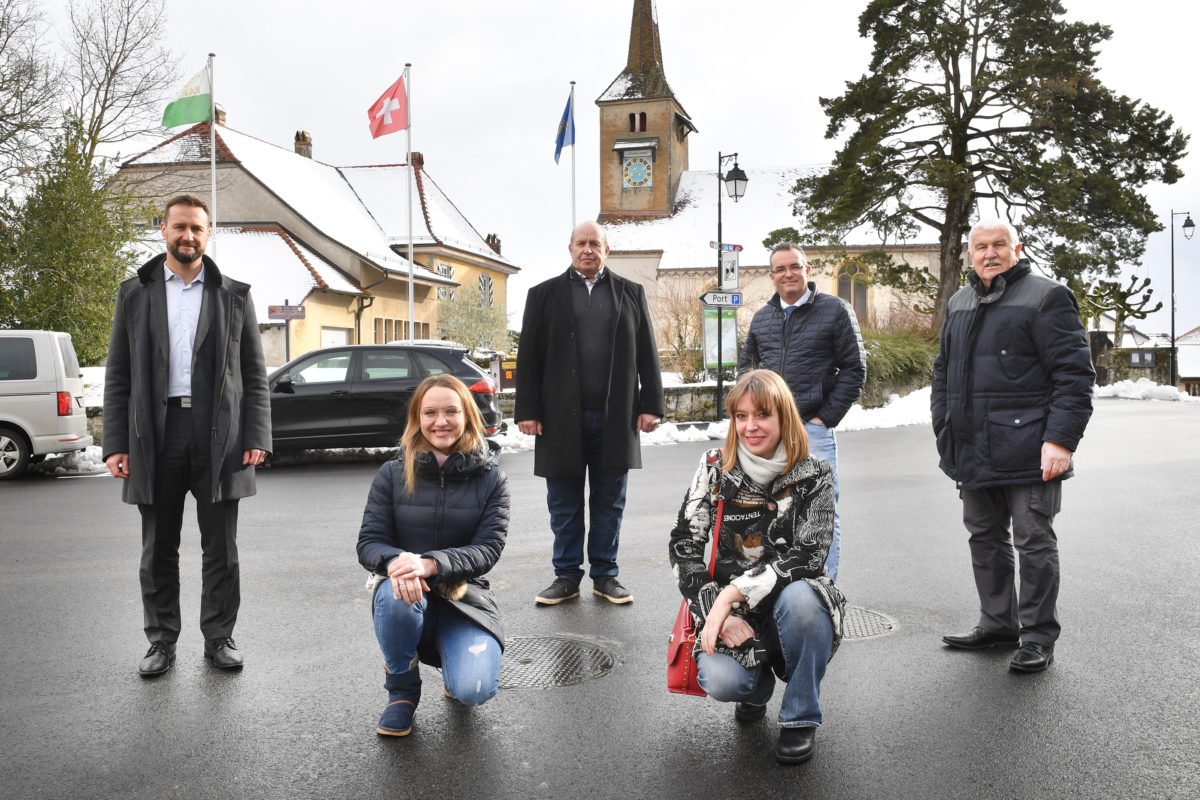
(822, 444)
(801, 629)
(470, 655)
(606, 502)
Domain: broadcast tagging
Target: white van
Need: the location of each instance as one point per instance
(41, 399)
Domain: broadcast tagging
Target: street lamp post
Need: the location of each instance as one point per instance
(1189, 228)
(735, 182)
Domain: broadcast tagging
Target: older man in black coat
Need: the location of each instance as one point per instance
(186, 409)
(1012, 395)
(587, 383)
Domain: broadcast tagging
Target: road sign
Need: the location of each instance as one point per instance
(285, 312)
(725, 246)
(712, 298)
(729, 269)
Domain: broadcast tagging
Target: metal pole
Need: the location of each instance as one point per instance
(412, 176)
(720, 286)
(212, 149)
(1174, 380)
(571, 120)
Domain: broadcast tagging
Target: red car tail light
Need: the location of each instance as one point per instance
(64, 404)
(483, 386)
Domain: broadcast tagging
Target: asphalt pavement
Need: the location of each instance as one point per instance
(905, 717)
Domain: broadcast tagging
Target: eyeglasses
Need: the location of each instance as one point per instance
(789, 268)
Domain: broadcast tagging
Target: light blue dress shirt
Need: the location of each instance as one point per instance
(183, 315)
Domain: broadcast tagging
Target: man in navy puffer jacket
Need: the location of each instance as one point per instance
(812, 341)
(1012, 394)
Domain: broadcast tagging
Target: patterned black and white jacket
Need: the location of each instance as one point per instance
(770, 537)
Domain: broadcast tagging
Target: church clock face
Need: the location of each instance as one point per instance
(638, 171)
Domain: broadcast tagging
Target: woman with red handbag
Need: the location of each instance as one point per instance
(767, 609)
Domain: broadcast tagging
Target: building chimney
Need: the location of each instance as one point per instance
(303, 144)
(493, 241)
(418, 160)
(220, 116)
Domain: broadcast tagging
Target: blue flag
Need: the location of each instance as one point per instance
(566, 129)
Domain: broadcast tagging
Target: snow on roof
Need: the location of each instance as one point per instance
(381, 190)
(277, 266)
(767, 206)
(1188, 359)
(318, 192)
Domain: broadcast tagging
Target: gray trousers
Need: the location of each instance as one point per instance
(1030, 508)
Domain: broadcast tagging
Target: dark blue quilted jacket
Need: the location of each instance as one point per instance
(1013, 370)
(820, 354)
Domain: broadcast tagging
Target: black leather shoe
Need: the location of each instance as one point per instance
(978, 639)
(158, 659)
(223, 653)
(1032, 657)
(749, 712)
(795, 745)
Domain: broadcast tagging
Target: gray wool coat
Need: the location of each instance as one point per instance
(232, 396)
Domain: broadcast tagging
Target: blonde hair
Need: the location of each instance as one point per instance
(771, 396)
(413, 442)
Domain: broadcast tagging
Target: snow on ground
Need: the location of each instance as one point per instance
(912, 409)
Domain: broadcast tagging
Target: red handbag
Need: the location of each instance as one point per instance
(682, 677)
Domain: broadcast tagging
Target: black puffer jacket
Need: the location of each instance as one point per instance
(820, 355)
(457, 515)
(1013, 370)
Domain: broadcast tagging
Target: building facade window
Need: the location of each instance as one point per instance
(487, 291)
(642, 122)
(445, 293)
(853, 292)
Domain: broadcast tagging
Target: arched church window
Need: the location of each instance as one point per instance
(854, 292)
(633, 123)
(642, 122)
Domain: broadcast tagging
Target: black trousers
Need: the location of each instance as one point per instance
(183, 466)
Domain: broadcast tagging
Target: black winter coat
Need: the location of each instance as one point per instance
(1013, 370)
(457, 515)
(548, 377)
(231, 396)
(820, 354)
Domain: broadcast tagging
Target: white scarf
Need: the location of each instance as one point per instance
(762, 471)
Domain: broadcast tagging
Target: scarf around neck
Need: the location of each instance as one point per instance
(762, 471)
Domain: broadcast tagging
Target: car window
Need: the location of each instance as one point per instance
(431, 364)
(17, 360)
(70, 362)
(387, 366)
(327, 368)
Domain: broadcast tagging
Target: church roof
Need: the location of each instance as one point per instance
(684, 236)
(363, 208)
(643, 76)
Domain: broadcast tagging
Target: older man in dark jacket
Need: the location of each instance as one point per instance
(588, 382)
(1012, 394)
(812, 341)
(186, 409)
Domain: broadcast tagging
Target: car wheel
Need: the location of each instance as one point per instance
(14, 454)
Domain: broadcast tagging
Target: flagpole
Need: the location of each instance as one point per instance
(412, 333)
(573, 217)
(212, 149)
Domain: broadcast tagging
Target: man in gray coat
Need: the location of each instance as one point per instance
(186, 409)
(587, 383)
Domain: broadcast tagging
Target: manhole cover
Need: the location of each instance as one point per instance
(862, 623)
(542, 662)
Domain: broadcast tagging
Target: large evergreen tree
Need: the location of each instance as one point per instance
(988, 107)
(67, 247)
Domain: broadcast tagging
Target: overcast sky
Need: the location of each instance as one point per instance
(490, 79)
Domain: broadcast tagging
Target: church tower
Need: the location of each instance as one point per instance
(643, 130)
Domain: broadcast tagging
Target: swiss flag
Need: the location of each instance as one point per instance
(390, 112)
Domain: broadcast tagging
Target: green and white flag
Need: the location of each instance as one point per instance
(194, 103)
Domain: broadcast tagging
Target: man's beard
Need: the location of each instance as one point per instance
(185, 258)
